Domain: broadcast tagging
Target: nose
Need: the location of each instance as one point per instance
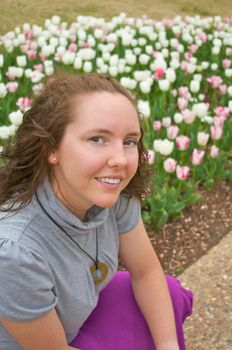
(117, 157)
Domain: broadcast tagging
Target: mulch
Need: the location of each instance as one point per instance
(185, 239)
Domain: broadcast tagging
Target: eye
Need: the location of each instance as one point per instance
(98, 139)
(130, 143)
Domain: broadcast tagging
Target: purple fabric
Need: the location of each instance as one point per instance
(118, 324)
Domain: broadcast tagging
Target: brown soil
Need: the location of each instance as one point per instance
(184, 240)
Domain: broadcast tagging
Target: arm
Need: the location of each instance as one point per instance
(44, 333)
(149, 286)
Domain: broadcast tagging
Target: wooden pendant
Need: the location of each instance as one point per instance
(99, 272)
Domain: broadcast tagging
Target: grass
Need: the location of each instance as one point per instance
(16, 12)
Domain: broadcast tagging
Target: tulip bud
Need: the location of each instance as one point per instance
(170, 165)
(214, 151)
(182, 172)
(172, 132)
(197, 156)
(202, 138)
(182, 142)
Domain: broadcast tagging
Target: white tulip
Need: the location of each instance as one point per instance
(164, 84)
(158, 46)
(77, 63)
(208, 120)
(113, 61)
(1, 60)
(56, 20)
(54, 41)
(230, 105)
(106, 56)
(87, 67)
(16, 117)
(144, 108)
(81, 33)
(228, 72)
(197, 77)
(144, 59)
(205, 64)
(149, 49)
(103, 69)
(164, 147)
(113, 71)
(202, 138)
(3, 90)
(4, 132)
(170, 75)
(130, 59)
(98, 33)
(194, 86)
(178, 118)
(145, 86)
(49, 71)
(216, 50)
(200, 109)
(214, 66)
(229, 90)
(68, 57)
(137, 51)
(142, 41)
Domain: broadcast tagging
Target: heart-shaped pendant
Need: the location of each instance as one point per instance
(99, 272)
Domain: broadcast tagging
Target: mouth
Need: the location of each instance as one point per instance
(109, 180)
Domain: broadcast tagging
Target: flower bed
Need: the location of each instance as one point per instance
(180, 71)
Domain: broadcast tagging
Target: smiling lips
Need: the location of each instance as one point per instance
(109, 180)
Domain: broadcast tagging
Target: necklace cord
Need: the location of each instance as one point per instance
(61, 228)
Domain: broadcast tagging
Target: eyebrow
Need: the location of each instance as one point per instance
(106, 131)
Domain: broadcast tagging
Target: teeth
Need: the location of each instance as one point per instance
(108, 180)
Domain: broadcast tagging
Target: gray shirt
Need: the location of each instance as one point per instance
(41, 268)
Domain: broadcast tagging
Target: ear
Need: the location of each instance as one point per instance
(53, 158)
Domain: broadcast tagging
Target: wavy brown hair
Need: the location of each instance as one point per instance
(26, 158)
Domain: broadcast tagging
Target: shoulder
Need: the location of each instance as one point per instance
(14, 224)
(127, 211)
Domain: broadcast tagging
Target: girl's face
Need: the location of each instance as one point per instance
(98, 154)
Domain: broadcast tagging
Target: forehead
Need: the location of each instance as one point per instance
(104, 108)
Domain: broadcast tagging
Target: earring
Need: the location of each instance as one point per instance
(52, 159)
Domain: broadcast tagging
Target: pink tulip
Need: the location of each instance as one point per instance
(226, 63)
(12, 86)
(202, 37)
(215, 81)
(182, 172)
(183, 91)
(31, 55)
(172, 132)
(182, 142)
(222, 112)
(170, 165)
(216, 132)
(166, 122)
(219, 121)
(182, 103)
(223, 89)
(42, 57)
(23, 103)
(197, 156)
(151, 156)
(157, 125)
(214, 151)
(38, 67)
(188, 116)
(193, 48)
(159, 73)
(72, 47)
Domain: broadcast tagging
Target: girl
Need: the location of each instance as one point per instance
(69, 199)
